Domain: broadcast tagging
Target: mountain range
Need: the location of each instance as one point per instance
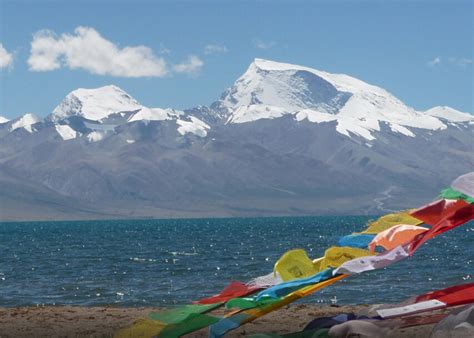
(283, 140)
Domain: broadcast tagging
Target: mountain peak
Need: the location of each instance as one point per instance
(286, 86)
(450, 114)
(25, 121)
(266, 64)
(3, 119)
(270, 89)
(95, 104)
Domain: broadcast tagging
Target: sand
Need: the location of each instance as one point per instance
(70, 321)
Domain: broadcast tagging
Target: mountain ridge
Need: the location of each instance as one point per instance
(283, 140)
(269, 90)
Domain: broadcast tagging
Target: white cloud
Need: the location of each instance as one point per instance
(260, 44)
(87, 49)
(6, 58)
(191, 66)
(462, 62)
(215, 49)
(456, 61)
(434, 62)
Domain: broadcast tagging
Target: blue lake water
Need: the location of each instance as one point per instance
(164, 262)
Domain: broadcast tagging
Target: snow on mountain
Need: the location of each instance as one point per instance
(65, 131)
(288, 89)
(267, 90)
(252, 112)
(186, 123)
(95, 104)
(271, 89)
(26, 122)
(155, 114)
(449, 114)
(3, 119)
(109, 106)
(194, 126)
(314, 116)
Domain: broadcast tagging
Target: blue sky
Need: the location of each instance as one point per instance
(420, 51)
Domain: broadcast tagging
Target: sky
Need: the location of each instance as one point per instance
(181, 54)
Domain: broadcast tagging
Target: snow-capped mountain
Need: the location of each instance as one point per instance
(449, 114)
(95, 104)
(271, 89)
(155, 114)
(105, 108)
(284, 139)
(3, 120)
(26, 122)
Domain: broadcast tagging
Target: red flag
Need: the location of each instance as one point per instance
(233, 290)
(454, 216)
(452, 296)
(434, 212)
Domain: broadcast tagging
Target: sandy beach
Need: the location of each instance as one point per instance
(70, 321)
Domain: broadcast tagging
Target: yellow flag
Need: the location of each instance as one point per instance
(295, 264)
(142, 328)
(389, 220)
(337, 255)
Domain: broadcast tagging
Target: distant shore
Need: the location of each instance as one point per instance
(72, 321)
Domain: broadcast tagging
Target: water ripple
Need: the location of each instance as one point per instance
(159, 262)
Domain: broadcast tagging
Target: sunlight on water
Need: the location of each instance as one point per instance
(157, 262)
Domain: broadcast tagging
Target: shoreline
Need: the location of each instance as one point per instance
(76, 321)
(184, 217)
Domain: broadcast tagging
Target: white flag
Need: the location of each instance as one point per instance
(464, 184)
(367, 263)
